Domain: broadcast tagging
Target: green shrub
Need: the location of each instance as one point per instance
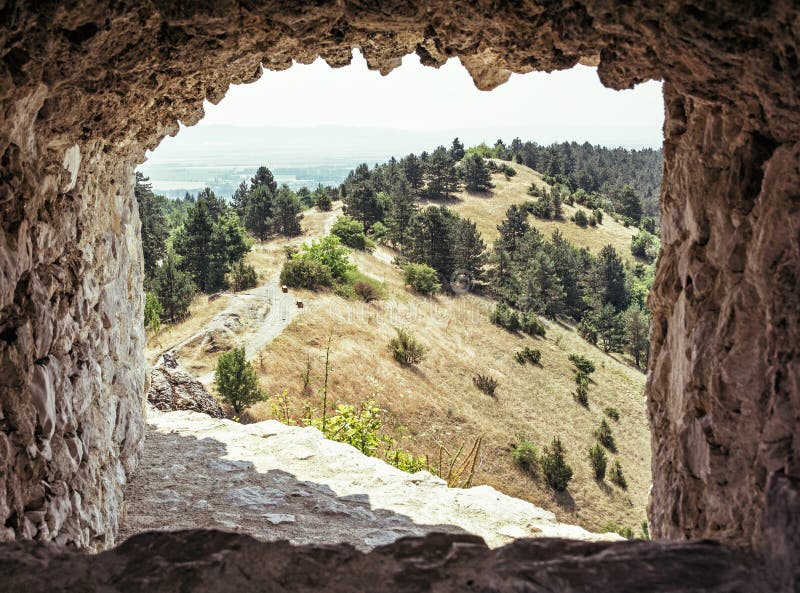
(152, 312)
(605, 437)
(305, 273)
(505, 317)
(365, 287)
(598, 459)
(531, 325)
(378, 231)
(236, 380)
(422, 278)
(528, 355)
(405, 348)
(612, 413)
(350, 232)
(645, 534)
(645, 246)
(581, 394)
(555, 469)
(526, 456)
(612, 527)
(598, 215)
(242, 276)
(580, 218)
(358, 427)
(485, 383)
(582, 363)
(615, 475)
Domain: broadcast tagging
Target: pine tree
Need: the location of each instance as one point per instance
(287, 216)
(637, 329)
(606, 283)
(555, 469)
(629, 204)
(173, 288)
(322, 199)
(361, 200)
(155, 229)
(469, 250)
(431, 239)
(513, 228)
(192, 243)
(475, 174)
(259, 212)
(239, 199)
(457, 150)
(400, 215)
(412, 167)
(441, 174)
(264, 177)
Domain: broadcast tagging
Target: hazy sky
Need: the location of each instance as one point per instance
(415, 97)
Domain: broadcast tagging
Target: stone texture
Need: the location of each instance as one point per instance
(175, 389)
(220, 562)
(198, 471)
(86, 87)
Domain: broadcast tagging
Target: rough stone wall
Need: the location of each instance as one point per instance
(71, 339)
(724, 388)
(112, 78)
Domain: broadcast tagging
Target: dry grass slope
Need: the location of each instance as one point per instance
(437, 404)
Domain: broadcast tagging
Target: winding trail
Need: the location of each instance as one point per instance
(258, 316)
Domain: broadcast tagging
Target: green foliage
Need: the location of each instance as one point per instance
(637, 335)
(486, 384)
(612, 527)
(528, 356)
(306, 273)
(555, 469)
(441, 174)
(580, 218)
(456, 150)
(645, 246)
(526, 456)
(475, 174)
(530, 324)
(405, 348)
(598, 460)
(236, 380)
(505, 317)
(598, 215)
(323, 199)
(379, 231)
(581, 393)
(582, 363)
(288, 208)
(405, 461)
(174, 289)
(350, 232)
(605, 437)
(242, 276)
(155, 228)
(356, 426)
(319, 264)
(422, 278)
(152, 312)
(616, 475)
(645, 532)
(612, 413)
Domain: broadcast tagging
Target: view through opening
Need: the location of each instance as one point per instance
(447, 279)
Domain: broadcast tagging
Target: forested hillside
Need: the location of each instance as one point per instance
(466, 314)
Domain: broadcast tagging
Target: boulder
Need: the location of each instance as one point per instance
(173, 389)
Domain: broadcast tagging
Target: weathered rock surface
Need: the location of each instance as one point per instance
(174, 389)
(274, 481)
(218, 562)
(86, 87)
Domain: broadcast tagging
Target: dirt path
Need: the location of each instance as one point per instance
(256, 317)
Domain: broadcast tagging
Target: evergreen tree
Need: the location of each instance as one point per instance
(361, 200)
(287, 216)
(239, 199)
(556, 203)
(193, 243)
(412, 168)
(637, 329)
(259, 212)
(542, 290)
(322, 198)
(400, 215)
(513, 228)
(469, 250)
(155, 229)
(173, 288)
(457, 150)
(215, 206)
(607, 282)
(557, 472)
(441, 174)
(609, 327)
(628, 203)
(264, 177)
(431, 239)
(475, 174)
